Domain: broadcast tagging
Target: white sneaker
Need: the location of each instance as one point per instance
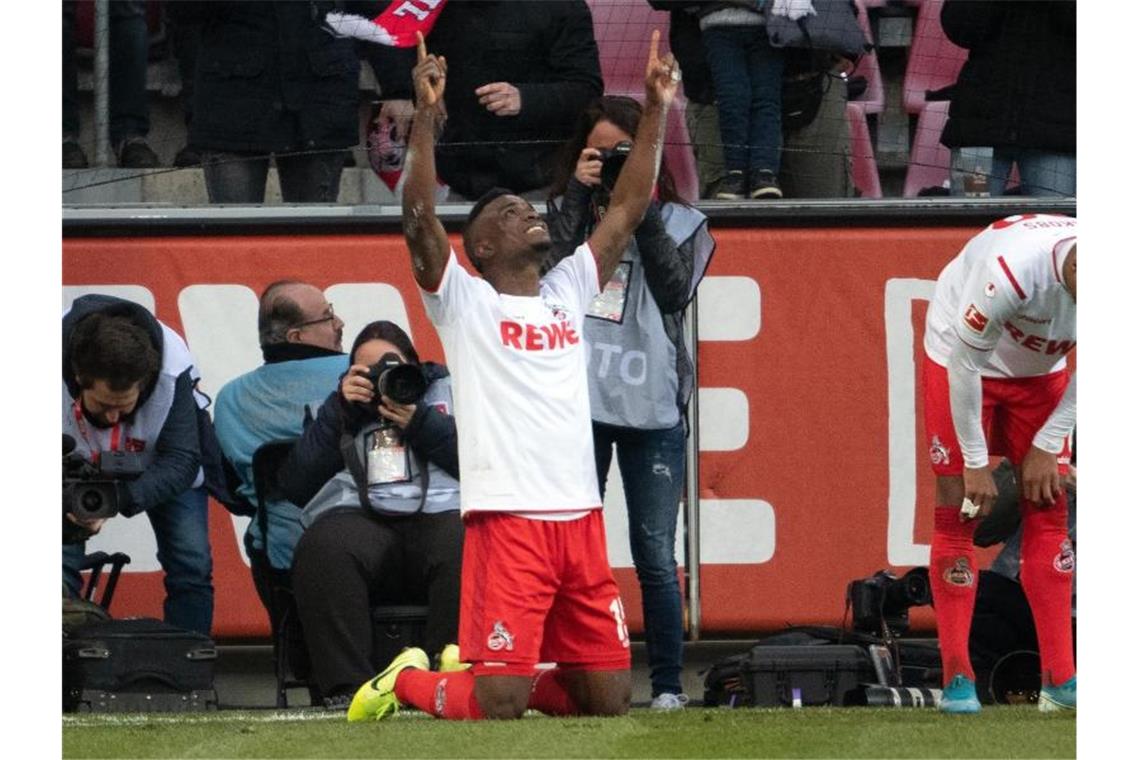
(667, 701)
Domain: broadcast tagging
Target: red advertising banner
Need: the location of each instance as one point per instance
(814, 471)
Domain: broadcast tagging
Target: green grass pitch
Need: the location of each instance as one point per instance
(694, 733)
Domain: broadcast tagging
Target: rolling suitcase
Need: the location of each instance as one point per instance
(137, 665)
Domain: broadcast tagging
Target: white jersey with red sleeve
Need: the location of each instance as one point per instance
(522, 406)
(1004, 294)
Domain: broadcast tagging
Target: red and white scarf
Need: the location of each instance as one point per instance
(396, 26)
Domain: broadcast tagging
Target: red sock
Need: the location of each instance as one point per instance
(548, 695)
(445, 695)
(953, 583)
(1047, 563)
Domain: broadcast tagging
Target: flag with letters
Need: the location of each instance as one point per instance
(396, 26)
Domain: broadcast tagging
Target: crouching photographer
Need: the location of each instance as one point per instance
(378, 472)
(131, 423)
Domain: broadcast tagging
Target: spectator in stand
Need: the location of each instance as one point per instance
(747, 73)
(529, 70)
(300, 338)
(374, 533)
(184, 41)
(640, 313)
(815, 160)
(270, 81)
(1016, 96)
(130, 112)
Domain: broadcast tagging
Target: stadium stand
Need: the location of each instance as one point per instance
(873, 99)
(916, 58)
(622, 30)
(864, 167)
(929, 159)
(933, 61)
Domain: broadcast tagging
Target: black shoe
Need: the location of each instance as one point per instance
(730, 187)
(763, 185)
(73, 156)
(134, 153)
(187, 157)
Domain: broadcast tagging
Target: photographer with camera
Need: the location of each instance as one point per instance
(378, 472)
(640, 374)
(129, 412)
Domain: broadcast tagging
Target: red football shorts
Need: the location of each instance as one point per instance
(1013, 410)
(539, 591)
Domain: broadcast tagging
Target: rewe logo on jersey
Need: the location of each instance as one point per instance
(1037, 343)
(975, 319)
(528, 337)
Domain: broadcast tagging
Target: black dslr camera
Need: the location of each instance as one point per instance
(880, 604)
(613, 159)
(401, 382)
(91, 490)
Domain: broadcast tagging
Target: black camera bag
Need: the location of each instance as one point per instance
(137, 665)
(778, 675)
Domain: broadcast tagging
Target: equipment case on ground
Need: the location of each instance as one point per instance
(787, 676)
(137, 665)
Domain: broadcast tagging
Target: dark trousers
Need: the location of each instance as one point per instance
(307, 177)
(130, 112)
(1003, 626)
(747, 73)
(350, 561)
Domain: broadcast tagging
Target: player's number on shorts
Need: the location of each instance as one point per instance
(619, 617)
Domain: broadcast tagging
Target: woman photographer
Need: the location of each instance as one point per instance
(379, 479)
(640, 373)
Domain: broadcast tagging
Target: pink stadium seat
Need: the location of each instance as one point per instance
(622, 29)
(933, 62)
(929, 159)
(872, 100)
(864, 167)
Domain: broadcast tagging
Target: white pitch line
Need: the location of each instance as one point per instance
(221, 716)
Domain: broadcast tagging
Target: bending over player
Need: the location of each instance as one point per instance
(537, 586)
(1001, 322)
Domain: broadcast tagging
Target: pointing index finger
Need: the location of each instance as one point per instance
(653, 41)
(421, 48)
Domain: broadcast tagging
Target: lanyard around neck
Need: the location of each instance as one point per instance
(81, 423)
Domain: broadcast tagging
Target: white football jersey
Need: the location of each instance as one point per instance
(1004, 293)
(522, 407)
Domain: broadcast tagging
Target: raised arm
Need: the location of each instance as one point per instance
(426, 238)
(634, 187)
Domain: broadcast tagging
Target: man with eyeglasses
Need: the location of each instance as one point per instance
(128, 394)
(300, 337)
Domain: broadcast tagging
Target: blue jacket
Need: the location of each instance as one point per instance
(270, 404)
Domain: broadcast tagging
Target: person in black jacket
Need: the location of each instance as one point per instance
(381, 527)
(529, 68)
(270, 80)
(1016, 94)
(128, 388)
